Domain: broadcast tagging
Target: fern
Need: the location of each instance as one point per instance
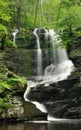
(18, 80)
(5, 85)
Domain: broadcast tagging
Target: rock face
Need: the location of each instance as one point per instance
(62, 100)
(75, 55)
(20, 110)
(15, 112)
(12, 104)
(9, 58)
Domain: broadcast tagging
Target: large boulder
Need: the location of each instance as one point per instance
(62, 99)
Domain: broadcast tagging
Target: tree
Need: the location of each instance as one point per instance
(4, 12)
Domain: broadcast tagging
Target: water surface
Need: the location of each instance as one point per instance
(41, 126)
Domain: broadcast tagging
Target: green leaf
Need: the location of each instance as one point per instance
(19, 79)
(5, 85)
(10, 43)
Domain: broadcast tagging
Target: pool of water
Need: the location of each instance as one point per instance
(43, 125)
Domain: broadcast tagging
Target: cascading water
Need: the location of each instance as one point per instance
(14, 34)
(39, 55)
(46, 44)
(60, 68)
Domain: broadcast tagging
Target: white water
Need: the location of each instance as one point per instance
(38, 105)
(60, 68)
(14, 35)
(46, 44)
(39, 55)
(59, 54)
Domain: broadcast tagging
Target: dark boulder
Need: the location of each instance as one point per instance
(62, 100)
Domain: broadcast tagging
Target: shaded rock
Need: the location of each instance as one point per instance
(75, 54)
(20, 110)
(32, 113)
(9, 58)
(60, 98)
(17, 110)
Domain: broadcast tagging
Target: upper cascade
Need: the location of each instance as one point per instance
(60, 66)
(39, 54)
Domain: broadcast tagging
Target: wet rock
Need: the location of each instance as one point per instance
(32, 113)
(20, 110)
(60, 98)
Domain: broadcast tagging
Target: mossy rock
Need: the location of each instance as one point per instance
(10, 85)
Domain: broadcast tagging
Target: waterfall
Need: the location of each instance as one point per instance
(60, 68)
(14, 34)
(46, 44)
(39, 55)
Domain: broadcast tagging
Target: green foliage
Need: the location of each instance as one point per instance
(10, 43)
(60, 14)
(18, 81)
(70, 18)
(10, 84)
(11, 80)
(4, 11)
(4, 105)
(3, 30)
(3, 84)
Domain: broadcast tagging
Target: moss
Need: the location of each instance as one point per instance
(11, 81)
(76, 74)
(4, 104)
(10, 84)
(26, 61)
(14, 80)
(29, 109)
(9, 43)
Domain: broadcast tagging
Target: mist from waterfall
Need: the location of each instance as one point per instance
(57, 69)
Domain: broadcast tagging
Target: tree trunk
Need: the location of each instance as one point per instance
(70, 31)
(36, 13)
(18, 16)
(3, 42)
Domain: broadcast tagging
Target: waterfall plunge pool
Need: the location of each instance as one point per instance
(42, 126)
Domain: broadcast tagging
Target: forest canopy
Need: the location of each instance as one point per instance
(25, 14)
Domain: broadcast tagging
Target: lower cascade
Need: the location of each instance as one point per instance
(58, 66)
